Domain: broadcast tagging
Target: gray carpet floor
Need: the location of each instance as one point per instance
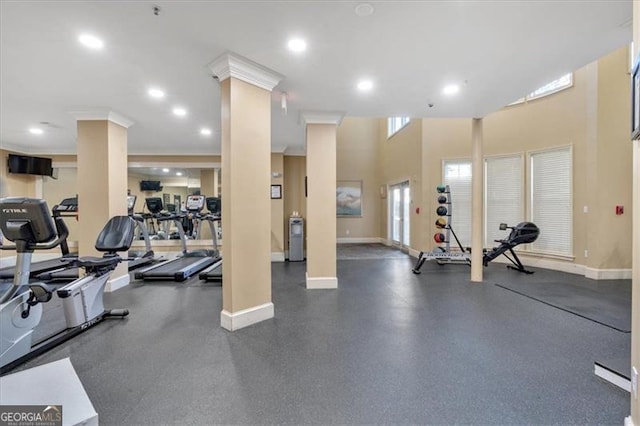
(387, 347)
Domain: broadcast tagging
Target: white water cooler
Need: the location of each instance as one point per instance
(296, 239)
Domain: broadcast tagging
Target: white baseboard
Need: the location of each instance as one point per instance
(319, 283)
(246, 317)
(277, 256)
(607, 274)
(359, 240)
(413, 253)
(612, 378)
(115, 283)
(628, 421)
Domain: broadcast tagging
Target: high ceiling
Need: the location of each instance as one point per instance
(496, 50)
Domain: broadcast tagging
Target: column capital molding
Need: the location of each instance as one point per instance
(232, 65)
(103, 114)
(321, 117)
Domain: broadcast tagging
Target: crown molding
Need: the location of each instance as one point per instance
(104, 114)
(233, 65)
(321, 117)
(278, 149)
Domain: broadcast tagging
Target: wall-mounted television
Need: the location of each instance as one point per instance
(23, 164)
(150, 185)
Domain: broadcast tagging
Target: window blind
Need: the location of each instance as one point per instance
(551, 200)
(504, 200)
(457, 174)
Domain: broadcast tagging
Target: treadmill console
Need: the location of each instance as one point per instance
(214, 205)
(195, 203)
(154, 204)
(131, 203)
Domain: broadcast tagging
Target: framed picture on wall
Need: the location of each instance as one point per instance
(276, 192)
(635, 102)
(349, 198)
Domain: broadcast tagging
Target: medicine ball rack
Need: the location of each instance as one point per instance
(443, 254)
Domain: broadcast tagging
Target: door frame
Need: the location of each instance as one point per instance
(390, 241)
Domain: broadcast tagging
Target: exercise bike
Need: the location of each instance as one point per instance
(26, 222)
(522, 233)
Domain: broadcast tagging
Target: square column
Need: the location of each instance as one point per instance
(321, 199)
(102, 181)
(477, 200)
(245, 92)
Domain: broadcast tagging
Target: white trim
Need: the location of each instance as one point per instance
(552, 264)
(628, 421)
(413, 253)
(359, 240)
(116, 283)
(103, 114)
(612, 377)
(232, 65)
(278, 149)
(277, 256)
(246, 317)
(320, 283)
(180, 164)
(607, 274)
(321, 117)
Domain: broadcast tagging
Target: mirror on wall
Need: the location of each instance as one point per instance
(176, 183)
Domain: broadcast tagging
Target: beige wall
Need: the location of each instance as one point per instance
(442, 139)
(277, 205)
(55, 190)
(357, 159)
(14, 185)
(401, 159)
(293, 195)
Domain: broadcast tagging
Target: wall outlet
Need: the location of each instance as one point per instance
(586, 253)
(585, 209)
(634, 382)
(347, 232)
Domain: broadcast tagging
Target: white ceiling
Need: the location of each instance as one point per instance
(501, 49)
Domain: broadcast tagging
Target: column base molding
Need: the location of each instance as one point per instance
(316, 283)
(246, 317)
(115, 283)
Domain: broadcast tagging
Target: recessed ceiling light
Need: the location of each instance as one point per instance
(165, 170)
(179, 111)
(178, 173)
(364, 9)
(91, 41)
(205, 132)
(156, 93)
(36, 131)
(365, 85)
(451, 89)
(297, 45)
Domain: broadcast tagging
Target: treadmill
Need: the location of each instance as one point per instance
(188, 263)
(138, 258)
(214, 272)
(67, 208)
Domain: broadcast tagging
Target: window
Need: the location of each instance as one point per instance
(557, 85)
(457, 174)
(394, 124)
(503, 198)
(551, 200)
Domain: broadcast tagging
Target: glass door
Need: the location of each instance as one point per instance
(399, 207)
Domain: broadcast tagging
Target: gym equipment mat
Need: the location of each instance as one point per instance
(605, 302)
